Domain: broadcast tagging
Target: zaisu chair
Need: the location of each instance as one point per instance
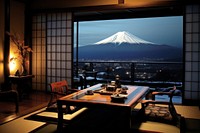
(50, 113)
(155, 110)
(59, 89)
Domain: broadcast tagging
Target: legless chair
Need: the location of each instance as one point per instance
(59, 89)
(154, 109)
(50, 115)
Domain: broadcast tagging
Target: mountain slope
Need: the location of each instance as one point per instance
(124, 46)
(123, 37)
(128, 52)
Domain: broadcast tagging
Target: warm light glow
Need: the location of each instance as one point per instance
(14, 64)
(1, 68)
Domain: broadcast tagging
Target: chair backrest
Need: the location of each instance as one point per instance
(60, 87)
(172, 92)
(171, 105)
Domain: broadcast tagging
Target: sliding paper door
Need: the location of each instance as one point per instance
(52, 46)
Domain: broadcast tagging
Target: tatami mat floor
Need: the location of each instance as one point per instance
(191, 113)
(21, 125)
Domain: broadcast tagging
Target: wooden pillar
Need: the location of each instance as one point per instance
(6, 40)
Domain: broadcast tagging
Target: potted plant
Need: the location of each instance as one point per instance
(21, 52)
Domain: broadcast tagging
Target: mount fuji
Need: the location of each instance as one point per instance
(123, 46)
(123, 37)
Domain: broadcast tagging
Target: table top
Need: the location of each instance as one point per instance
(134, 94)
(21, 76)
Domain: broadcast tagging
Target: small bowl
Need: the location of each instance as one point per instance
(89, 92)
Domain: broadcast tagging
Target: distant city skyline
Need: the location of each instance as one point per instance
(160, 30)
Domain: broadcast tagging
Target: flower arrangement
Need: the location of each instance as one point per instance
(22, 50)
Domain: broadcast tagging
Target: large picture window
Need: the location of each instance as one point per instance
(137, 49)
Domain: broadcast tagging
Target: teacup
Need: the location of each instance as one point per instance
(112, 82)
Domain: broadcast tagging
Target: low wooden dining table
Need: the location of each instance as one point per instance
(100, 100)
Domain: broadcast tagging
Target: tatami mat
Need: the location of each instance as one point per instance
(191, 113)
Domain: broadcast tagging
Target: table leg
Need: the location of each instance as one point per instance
(127, 120)
(60, 117)
(124, 120)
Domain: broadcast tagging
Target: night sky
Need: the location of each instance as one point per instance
(160, 30)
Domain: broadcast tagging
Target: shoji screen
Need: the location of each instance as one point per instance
(52, 46)
(192, 53)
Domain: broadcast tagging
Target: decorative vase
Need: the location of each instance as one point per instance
(24, 72)
(18, 68)
(17, 73)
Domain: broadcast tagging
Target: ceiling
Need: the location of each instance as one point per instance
(124, 9)
(117, 12)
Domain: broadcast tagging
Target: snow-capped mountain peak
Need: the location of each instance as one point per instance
(123, 37)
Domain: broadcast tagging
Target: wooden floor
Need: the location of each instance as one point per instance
(28, 104)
